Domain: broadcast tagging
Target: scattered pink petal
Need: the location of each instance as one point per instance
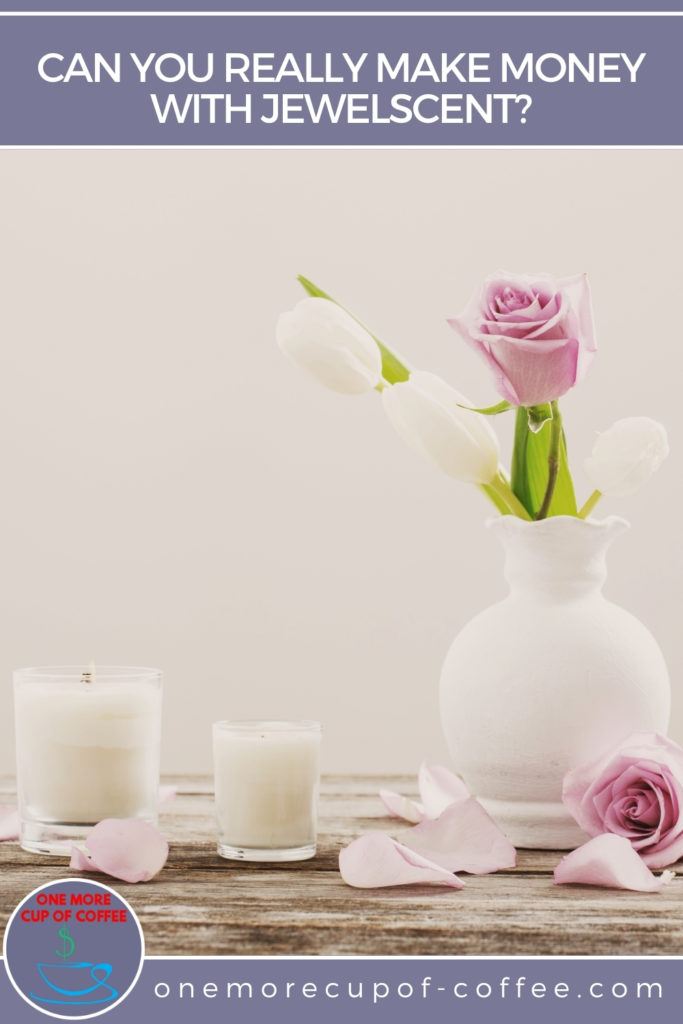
(80, 860)
(462, 838)
(439, 788)
(167, 794)
(400, 806)
(9, 822)
(125, 848)
(376, 860)
(609, 860)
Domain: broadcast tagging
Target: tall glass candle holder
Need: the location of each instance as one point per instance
(88, 745)
(266, 776)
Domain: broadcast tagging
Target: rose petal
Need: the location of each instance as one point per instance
(578, 291)
(400, 806)
(504, 386)
(9, 822)
(80, 861)
(462, 838)
(439, 788)
(535, 372)
(668, 851)
(129, 849)
(167, 794)
(375, 860)
(609, 861)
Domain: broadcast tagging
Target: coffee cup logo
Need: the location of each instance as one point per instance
(73, 949)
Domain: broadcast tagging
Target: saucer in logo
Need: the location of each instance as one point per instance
(73, 949)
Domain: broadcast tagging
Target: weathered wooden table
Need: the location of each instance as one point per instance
(201, 904)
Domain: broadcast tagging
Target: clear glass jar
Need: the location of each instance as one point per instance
(87, 746)
(266, 783)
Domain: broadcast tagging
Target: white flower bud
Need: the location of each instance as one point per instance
(626, 455)
(425, 411)
(325, 340)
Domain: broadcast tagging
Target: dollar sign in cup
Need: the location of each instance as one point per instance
(68, 944)
(70, 982)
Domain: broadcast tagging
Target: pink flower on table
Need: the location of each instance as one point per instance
(125, 848)
(462, 838)
(375, 861)
(454, 834)
(634, 791)
(610, 862)
(438, 787)
(535, 333)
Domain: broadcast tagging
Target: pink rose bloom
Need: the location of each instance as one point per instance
(536, 334)
(636, 792)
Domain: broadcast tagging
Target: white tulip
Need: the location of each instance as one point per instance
(627, 455)
(325, 340)
(425, 411)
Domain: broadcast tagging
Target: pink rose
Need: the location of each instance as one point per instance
(535, 333)
(636, 791)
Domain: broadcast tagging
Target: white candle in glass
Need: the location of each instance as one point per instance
(266, 778)
(88, 746)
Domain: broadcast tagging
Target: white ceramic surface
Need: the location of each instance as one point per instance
(551, 676)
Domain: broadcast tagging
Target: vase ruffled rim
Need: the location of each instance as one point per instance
(610, 526)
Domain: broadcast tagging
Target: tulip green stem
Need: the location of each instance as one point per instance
(500, 504)
(586, 509)
(553, 461)
(503, 497)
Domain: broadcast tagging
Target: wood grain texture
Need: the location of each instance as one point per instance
(201, 904)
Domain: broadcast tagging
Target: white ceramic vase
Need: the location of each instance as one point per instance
(550, 677)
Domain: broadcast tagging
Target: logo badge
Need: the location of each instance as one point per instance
(73, 949)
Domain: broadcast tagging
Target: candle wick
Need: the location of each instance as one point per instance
(89, 674)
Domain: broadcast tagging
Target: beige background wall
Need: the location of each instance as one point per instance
(176, 494)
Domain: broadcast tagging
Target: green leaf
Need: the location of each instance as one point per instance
(538, 415)
(490, 410)
(530, 470)
(393, 369)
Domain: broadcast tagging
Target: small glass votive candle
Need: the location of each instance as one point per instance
(266, 781)
(88, 745)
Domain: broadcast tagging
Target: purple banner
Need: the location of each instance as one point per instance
(392, 991)
(344, 5)
(340, 81)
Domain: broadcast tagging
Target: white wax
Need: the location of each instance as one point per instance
(266, 787)
(88, 751)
